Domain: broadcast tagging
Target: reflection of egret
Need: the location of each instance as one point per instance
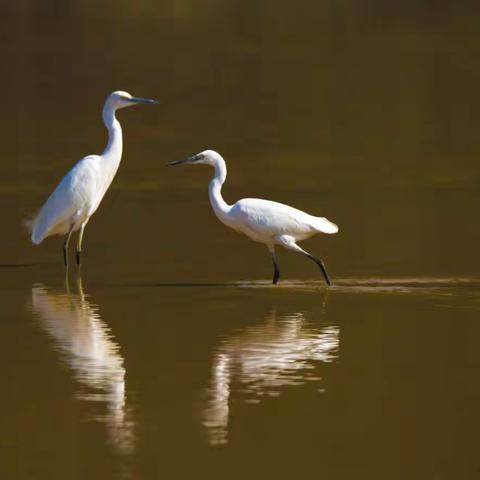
(264, 359)
(89, 350)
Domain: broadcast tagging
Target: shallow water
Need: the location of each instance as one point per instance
(172, 355)
(125, 381)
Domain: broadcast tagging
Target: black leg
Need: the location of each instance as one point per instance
(320, 263)
(276, 270)
(65, 257)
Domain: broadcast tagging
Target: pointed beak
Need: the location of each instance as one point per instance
(144, 100)
(191, 159)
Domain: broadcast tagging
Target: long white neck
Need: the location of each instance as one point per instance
(220, 207)
(113, 151)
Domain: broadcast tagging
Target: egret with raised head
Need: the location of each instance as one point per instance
(81, 190)
(264, 221)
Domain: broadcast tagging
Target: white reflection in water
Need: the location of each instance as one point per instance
(88, 348)
(263, 359)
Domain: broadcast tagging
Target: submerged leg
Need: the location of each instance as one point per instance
(289, 242)
(276, 269)
(79, 242)
(65, 248)
(67, 283)
(80, 286)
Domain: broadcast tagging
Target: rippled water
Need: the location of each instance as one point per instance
(86, 347)
(260, 361)
(126, 381)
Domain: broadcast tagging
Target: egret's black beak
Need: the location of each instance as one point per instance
(192, 159)
(143, 100)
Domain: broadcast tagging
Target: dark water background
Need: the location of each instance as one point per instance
(173, 357)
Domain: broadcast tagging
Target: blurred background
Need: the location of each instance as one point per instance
(360, 111)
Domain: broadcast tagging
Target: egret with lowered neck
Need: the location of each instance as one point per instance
(81, 190)
(264, 221)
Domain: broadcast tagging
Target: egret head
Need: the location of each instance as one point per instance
(120, 99)
(207, 157)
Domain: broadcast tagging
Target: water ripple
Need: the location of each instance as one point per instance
(87, 347)
(282, 352)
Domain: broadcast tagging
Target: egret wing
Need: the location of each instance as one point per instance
(267, 217)
(69, 202)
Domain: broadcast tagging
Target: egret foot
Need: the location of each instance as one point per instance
(320, 263)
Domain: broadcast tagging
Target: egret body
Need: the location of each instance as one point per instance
(81, 190)
(264, 221)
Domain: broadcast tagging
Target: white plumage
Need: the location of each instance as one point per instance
(80, 192)
(73, 201)
(264, 221)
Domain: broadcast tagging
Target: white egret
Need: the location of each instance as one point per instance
(264, 221)
(81, 190)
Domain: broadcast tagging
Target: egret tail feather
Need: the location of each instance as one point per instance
(37, 235)
(324, 225)
(28, 224)
(42, 226)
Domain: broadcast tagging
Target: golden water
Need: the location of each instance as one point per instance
(174, 357)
